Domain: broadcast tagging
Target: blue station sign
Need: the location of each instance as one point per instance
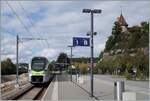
(80, 41)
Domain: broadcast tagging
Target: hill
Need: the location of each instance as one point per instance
(126, 50)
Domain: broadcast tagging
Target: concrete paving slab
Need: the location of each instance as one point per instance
(104, 87)
(63, 89)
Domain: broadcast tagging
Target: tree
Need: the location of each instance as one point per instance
(116, 31)
(142, 64)
(83, 68)
(7, 67)
(102, 65)
(144, 41)
(110, 43)
(114, 38)
(63, 58)
(139, 36)
(145, 27)
(100, 55)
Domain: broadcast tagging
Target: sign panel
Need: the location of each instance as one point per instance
(80, 41)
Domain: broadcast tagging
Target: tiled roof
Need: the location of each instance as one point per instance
(122, 21)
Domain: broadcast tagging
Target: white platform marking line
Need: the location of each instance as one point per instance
(46, 91)
(55, 90)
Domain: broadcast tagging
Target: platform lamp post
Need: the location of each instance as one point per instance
(91, 11)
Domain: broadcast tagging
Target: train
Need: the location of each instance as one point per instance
(40, 70)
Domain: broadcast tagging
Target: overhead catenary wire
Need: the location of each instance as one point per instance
(25, 27)
(20, 41)
(10, 53)
(3, 52)
(26, 47)
(29, 19)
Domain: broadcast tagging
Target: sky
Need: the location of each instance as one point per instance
(58, 22)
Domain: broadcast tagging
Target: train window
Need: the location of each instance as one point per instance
(38, 65)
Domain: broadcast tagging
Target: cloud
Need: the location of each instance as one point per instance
(7, 44)
(99, 47)
(49, 53)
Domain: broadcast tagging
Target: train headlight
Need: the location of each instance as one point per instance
(43, 73)
(37, 73)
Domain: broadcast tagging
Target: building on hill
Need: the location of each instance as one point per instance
(122, 22)
(127, 39)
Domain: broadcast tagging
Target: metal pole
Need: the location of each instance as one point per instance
(71, 61)
(91, 39)
(17, 63)
(76, 74)
(118, 90)
(92, 53)
(71, 55)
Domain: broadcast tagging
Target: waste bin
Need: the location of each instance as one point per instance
(118, 90)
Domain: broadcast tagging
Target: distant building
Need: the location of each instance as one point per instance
(94, 65)
(122, 23)
(23, 65)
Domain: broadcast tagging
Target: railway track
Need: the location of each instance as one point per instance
(31, 94)
(34, 93)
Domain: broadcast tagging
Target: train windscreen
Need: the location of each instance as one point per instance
(38, 64)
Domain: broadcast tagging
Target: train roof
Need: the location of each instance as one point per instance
(39, 57)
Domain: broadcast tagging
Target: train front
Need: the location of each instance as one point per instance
(37, 73)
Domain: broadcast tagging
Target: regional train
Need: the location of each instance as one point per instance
(40, 70)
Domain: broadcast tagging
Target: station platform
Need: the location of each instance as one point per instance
(61, 88)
